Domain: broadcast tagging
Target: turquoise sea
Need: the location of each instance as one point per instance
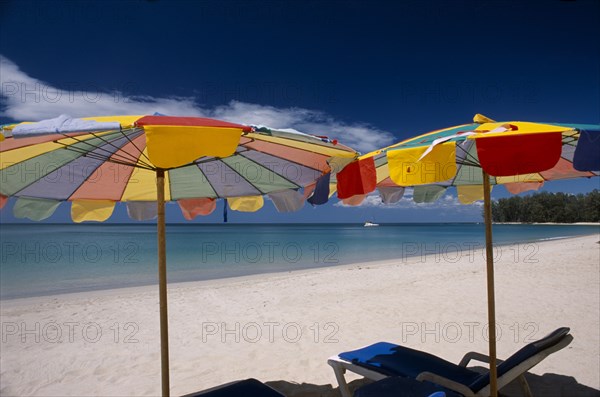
(44, 259)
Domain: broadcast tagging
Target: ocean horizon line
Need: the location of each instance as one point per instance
(45, 259)
(380, 223)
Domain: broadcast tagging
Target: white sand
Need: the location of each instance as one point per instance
(231, 329)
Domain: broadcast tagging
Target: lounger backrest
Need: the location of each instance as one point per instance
(520, 356)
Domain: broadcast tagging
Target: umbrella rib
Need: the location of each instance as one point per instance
(109, 159)
(84, 153)
(95, 156)
(288, 160)
(144, 167)
(208, 180)
(133, 157)
(463, 163)
(83, 182)
(569, 140)
(89, 154)
(245, 179)
(281, 176)
(468, 159)
(94, 134)
(81, 151)
(209, 183)
(470, 163)
(139, 150)
(206, 160)
(109, 142)
(124, 159)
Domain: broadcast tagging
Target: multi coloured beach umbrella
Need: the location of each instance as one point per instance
(473, 158)
(145, 161)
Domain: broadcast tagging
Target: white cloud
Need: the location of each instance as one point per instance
(23, 97)
(359, 136)
(27, 98)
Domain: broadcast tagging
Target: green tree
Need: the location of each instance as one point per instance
(548, 207)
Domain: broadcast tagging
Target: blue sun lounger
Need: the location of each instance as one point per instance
(384, 359)
(242, 388)
(396, 386)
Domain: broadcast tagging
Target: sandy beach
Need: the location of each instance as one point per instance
(282, 327)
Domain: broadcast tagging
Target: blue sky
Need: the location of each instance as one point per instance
(366, 73)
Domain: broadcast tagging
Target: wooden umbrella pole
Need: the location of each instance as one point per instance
(489, 251)
(162, 282)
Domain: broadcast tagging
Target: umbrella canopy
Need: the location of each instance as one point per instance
(148, 160)
(520, 156)
(97, 162)
(473, 157)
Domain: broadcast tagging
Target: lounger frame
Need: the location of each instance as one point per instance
(340, 366)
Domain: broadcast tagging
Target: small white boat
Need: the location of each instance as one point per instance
(371, 224)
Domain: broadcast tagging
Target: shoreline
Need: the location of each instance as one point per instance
(201, 283)
(284, 326)
(549, 223)
(209, 281)
(150, 224)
